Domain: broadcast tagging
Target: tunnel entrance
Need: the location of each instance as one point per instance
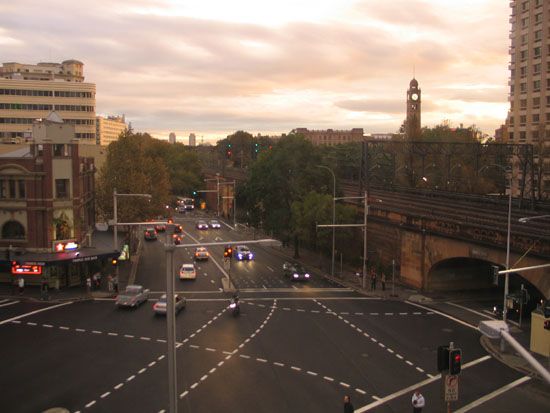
(461, 273)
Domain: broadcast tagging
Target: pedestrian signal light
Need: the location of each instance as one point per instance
(114, 261)
(442, 358)
(455, 361)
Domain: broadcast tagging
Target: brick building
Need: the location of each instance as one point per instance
(331, 137)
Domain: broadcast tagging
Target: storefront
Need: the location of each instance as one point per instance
(61, 269)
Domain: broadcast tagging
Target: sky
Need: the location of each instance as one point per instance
(212, 67)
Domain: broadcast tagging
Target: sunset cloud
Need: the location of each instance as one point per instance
(213, 67)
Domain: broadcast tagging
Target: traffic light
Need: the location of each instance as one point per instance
(114, 261)
(229, 153)
(256, 147)
(442, 358)
(455, 361)
(194, 193)
(228, 252)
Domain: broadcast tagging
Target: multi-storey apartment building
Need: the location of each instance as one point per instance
(528, 120)
(108, 129)
(30, 92)
(331, 137)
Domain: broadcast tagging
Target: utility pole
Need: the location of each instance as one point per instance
(365, 213)
(171, 326)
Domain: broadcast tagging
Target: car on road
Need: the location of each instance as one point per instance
(160, 306)
(150, 234)
(188, 272)
(181, 209)
(201, 253)
(178, 229)
(177, 239)
(202, 225)
(214, 224)
(160, 227)
(133, 296)
(295, 271)
(243, 253)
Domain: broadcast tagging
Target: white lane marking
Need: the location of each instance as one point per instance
(420, 370)
(151, 364)
(105, 394)
(203, 378)
(96, 332)
(112, 334)
(160, 340)
(132, 377)
(376, 397)
(468, 309)
(118, 386)
(413, 387)
(221, 363)
(64, 328)
(193, 346)
(493, 394)
(16, 322)
(142, 370)
(212, 370)
(278, 364)
(443, 314)
(311, 373)
(261, 360)
(34, 312)
(47, 325)
(194, 385)
(11, 303)
(210, 349)
(183, 395)
(80, 330)
(128, 336)
(344, 384)
(327, 378)
(3, 301)
(244, 356)
(270, 269)
(399, 356)
(90, 404)
(360, 391)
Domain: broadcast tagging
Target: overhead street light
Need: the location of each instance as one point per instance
(333, 215)
(506, 277)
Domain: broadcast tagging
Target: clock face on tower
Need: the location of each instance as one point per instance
(414, 97)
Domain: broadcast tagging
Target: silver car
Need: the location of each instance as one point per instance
(160, 306)
(133, 296)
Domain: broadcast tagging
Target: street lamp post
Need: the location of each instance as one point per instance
(333, 215)
(508, 236)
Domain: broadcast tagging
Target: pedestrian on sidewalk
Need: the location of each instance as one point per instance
(110, 283)
(21, 284)
(44, 287)
(372, 280)
(418, 402)
(115, 283)
(383, 280)
(348, 407)
(88, 285)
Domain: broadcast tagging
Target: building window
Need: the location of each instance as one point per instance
(522, 120)
(11, 189)
(536, 69)
(523, 87)
(536, 102)
(523, 71)
(547, 117)
(536, 85)
(13, 230)
(511, 136)
(538, 3)
(3, 188)
(536, 118)
(523, 55)
(523, 104)
(21, 188)
(525, 22)
(538, 18)
(524, 38)
(522, 135)
(535, 135)
(538, 35)
(62, 188)
(525, 6)
(536, 52)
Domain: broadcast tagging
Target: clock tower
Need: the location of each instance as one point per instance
(412, 123)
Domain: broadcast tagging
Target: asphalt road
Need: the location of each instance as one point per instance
(296, 347)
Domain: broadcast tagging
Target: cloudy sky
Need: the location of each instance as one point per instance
(215, 66)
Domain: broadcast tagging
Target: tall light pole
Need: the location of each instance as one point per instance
(171, 327)
(506, 276)
(333, 215)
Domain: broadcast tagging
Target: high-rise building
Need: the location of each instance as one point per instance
(413, 128)
(192, 139)
(529, 116)
(30, 92)
(331, 137)
(172, 138)
(108, 129)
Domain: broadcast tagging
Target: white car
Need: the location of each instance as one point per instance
(160, 306)
(214, 224)
(201, 253)
(188, 272)
(243, 253)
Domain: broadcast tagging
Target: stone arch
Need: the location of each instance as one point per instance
(461, 273)
(13, 230)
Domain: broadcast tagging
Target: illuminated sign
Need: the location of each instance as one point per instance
(66, 245)
(18, 269)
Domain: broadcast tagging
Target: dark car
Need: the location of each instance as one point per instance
(515, 307)
(150, 234)
(295, 271)
(160, 227)
(178, 229)
(177, 239)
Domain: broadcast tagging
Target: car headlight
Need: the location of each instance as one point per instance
(240, 256)
(307, 275)
(295, 275)
(250, 256)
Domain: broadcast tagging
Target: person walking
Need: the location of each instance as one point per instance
(88, 285)
(372, 280)
(348, 407)
(418, 402)
(21, 284)
(115, 283)
(383, 281)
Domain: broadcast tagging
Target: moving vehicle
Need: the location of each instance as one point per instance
(178, 229)
(177, 239)
(150, 234)
(188, 272)
(234, 305)
(242, 253)
(201, 253)
(214, 224)
(202, 225)
(160, 306)
(185, 204)
(160, 227)
(295, 271)
(133, 296)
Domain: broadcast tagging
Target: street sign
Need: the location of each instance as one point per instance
(451, 388)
